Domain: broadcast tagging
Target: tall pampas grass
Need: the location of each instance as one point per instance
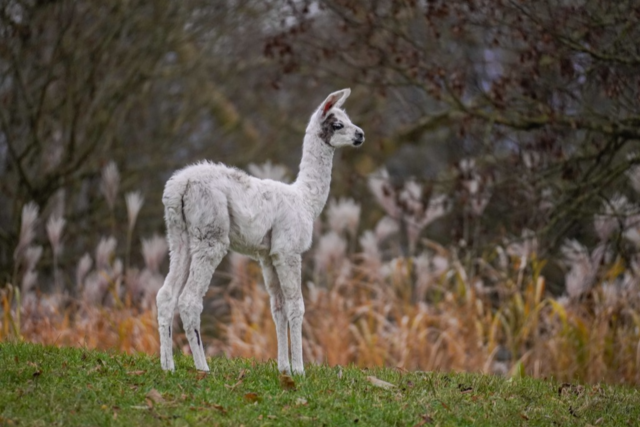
(134, 202)
(109, 186)
(55, 227)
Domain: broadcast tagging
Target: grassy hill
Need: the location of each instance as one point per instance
(51, 386)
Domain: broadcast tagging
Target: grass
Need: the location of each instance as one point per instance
(48, 386)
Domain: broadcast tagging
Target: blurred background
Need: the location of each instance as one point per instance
(490, 223)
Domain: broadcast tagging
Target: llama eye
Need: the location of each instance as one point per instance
(337, 126)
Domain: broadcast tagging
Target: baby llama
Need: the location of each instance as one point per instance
(211, 208)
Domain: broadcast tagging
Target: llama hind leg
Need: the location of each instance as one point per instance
(167, 297)
(278, 312)
(207, 219)
(203, 264)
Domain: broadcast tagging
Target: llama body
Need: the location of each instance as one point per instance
(211, 208)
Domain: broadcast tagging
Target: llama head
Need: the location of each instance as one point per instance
(332, 124)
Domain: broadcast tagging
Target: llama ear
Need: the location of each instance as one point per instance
(336, 99)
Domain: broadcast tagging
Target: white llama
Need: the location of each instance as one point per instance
(211, 208)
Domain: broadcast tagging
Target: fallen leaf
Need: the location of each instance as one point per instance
(136, 372)
(465, 389)
(573, 412)
(94, 369)
(524, 417)
(149, 403)
(241, 374)
(379, 383)
(252, 397)
(201, 375)
(233, 387)
(301, 401)
(426, 419)
(219, 408)
(562, 388)
(271, 417)
(37, 373)
(155, 396)
(287, 383)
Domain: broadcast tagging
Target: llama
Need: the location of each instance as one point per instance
(211, 208)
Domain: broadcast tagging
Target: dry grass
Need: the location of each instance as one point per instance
(371, 324)
(512, 329)
(371, 306)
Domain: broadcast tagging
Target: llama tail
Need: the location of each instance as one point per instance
(177, 236)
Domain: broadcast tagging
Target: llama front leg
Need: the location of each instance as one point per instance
(278, 312)
(288, 269)
(203, 263)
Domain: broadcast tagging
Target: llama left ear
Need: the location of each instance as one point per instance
(336, 99)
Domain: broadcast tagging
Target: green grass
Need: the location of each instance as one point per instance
(48, 386)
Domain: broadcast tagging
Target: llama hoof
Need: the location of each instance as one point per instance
(168, 366)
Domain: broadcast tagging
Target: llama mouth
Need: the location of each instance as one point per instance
(358, 142)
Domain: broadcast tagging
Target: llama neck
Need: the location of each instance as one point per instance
(314, 178)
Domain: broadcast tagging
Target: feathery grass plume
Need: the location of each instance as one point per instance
(467, 166)
(268, 170)
(134, 201)
(581, 274)
(94, 289)
(546, 200)
(385, 228)
(29, 280)
(632, 226)
(371, 255)
(417, 216)
(55, 226)
(30, 277)
(634, 172)
(105, 252)
(344, 215)
(58, 203)
(144, 286)
(381, 188)
(154, 251)
(31, 256)
(612, 218)
(523, 247)
(27, 229)
(110, 184)
(82, 269)
(330, 252)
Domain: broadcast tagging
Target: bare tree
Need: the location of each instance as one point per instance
(545, 95)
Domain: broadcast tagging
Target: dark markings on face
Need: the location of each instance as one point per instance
(327, 131)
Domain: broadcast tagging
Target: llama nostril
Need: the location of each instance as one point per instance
(359, 135)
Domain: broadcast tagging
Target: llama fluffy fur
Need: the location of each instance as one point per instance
(211, 208)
